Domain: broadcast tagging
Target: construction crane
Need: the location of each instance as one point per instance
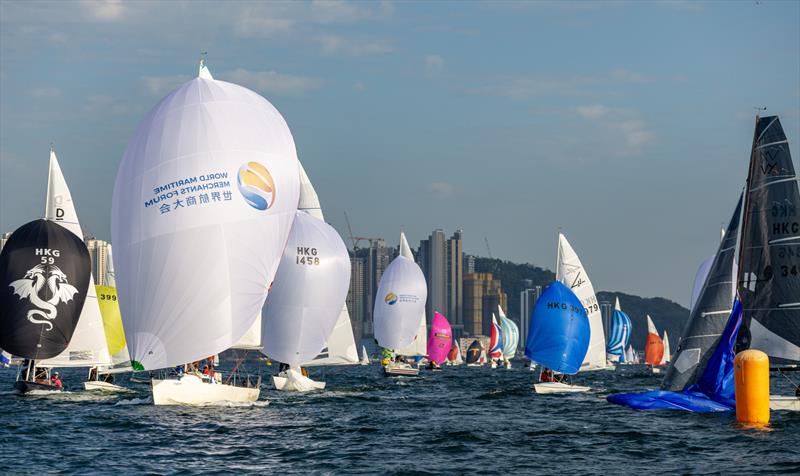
(488, 249)
(356, 239)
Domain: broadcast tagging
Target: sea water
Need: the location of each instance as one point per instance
(457, 421)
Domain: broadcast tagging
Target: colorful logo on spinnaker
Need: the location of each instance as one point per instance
(390, 299)
(256, 185)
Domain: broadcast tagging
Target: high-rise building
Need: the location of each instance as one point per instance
(356, 299)
(469, 264)
(455, 283)
(377, 260)
(527, 301)
(606, 310)
(432, 258)
(482, 294)
(98, 252)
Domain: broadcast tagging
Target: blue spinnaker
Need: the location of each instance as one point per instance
(714, 392)
(620, 334)
(559, 330)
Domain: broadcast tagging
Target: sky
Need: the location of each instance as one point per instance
(625, 125)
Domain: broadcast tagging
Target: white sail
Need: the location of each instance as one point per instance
(87, 347)
(572, 274)
(665, 358)
(364, 356)
(400, 301)
(309, 288)
(112, 323)
(204, 199)
(459, 359)
(419, 346)
(340, 348)
(700, 279)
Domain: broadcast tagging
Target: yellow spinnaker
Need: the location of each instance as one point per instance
(112, 321)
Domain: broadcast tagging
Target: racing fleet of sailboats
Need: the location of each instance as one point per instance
(212, 172)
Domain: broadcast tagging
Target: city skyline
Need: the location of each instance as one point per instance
(406, 116)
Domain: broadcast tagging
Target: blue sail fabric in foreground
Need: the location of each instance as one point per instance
(714, 392)
(559, 330)
(620, 334)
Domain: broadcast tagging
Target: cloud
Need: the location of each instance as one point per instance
(104, 10)
(103, 104)
(339, 45)
(272, 82)
(44, 92)
(434, 64)
(635, 133)
(337, 11)
(161, 85)
(441, 188)
(625, 76)
(595, 111)
(252, 25)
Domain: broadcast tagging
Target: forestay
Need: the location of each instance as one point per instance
(571, 273)
(203, 203)
(309, 289)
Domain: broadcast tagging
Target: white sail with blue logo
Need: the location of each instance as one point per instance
(571, 273)
(399, 314)
(620, 334)
(87, 347)
(204, 199)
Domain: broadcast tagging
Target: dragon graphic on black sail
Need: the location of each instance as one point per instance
(31, 285)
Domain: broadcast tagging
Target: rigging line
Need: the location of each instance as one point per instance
(783, 374)
(785, 141)
(774, 182)
(782, 240)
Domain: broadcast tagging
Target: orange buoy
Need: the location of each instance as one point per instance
(751, 373)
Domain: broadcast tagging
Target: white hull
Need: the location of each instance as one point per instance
(294, 381)
(475, 365)
(557, 387)
(399, 369)
(508, 364)
(192, 390)
(97, 385)
(784, 402)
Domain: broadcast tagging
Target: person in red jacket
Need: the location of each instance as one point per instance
(55, 381)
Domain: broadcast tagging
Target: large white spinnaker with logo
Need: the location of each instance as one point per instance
(399, 312)
(340, 347)
(304, 303)
(87, 348)
(419, 346)
(572, 274)
(205, 196)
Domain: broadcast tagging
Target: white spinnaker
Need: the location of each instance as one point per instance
(419, 346)
(87, 347)
(203, 203)
(309, 289)
(340, 348)
(665, 339)
(400, 301)
(572, 274)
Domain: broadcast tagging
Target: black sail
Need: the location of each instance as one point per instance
(474, 352)
(769, 270)
(709, 315)
(44, 276)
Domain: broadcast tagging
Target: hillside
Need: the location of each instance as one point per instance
(665, 313)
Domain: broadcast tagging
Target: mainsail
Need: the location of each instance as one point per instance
(112, 321)
(204, 199)
(306, 296)
(440, 340)
(559, 330)
(399, 313)
(87, 347)
(510, 335)
(666, 357)
(620, 334)
(572, 274)
(769, 269)
(709, 314)
(45, 274)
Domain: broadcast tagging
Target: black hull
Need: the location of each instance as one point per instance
(23, 387)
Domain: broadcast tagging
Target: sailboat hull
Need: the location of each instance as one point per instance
(192, 390)
(784, 402)
(24, 387)
(96, 385)
(295, 382)
(558, 387)
(399, 369)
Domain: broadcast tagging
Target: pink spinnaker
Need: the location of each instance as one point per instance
(440, 339)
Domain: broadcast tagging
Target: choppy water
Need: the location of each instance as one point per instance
(457, 421)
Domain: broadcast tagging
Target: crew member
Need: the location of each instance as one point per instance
(55, 381)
